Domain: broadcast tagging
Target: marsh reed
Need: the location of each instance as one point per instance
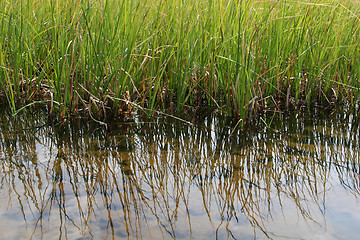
(241, 57)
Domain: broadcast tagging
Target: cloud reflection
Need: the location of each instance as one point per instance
(162, 179)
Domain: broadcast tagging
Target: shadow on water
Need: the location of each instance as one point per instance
(161, 179)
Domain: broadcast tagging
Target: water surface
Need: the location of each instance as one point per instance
(297, 178)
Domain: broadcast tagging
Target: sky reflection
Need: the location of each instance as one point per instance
(161, 179)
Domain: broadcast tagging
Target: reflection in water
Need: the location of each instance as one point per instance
(160, 179)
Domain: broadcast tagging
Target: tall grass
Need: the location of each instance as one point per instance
(239, 56)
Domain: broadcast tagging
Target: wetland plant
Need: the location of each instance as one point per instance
(106, 57)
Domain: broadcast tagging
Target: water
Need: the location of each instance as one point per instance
(297, 178)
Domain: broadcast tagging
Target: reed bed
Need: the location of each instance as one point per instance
(104, 58)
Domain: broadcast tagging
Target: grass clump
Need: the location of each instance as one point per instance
(104, 57)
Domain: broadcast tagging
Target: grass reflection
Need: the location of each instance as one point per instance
(167, 180)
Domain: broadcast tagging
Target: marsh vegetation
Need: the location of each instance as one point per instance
(106, 58)
(142, 177)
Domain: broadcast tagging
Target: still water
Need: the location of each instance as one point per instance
(155, 178)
